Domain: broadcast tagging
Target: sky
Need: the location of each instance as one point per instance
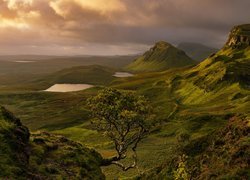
(114, 27)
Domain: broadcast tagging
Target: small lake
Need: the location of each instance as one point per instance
(123, 74)
(68, 87)
(24, 61)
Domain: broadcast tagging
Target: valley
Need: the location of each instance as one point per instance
(191, 99)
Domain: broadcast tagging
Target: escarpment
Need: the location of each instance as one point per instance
(239, 36)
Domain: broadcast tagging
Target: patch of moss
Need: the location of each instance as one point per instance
(43, 155)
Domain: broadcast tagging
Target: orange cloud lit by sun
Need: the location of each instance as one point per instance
(103, 7)
(15, 4)
(24, 10)
(5, 23)
(14, 14)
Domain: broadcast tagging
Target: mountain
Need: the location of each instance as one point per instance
(160, 57)
(220, 85)
(197, 51)
(40, 155)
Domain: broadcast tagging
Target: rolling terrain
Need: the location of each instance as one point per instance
(25, 69)
(207, 104)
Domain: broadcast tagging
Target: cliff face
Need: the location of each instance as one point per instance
(239, 36)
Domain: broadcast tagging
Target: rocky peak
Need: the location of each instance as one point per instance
(161, 48)
(161, 45)
(239, 36)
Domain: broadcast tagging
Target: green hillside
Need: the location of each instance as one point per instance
(194, 102)
(197, 51)
(160, 57)
(223, 154)
(219, 85)
(200, 111)
(42, 155)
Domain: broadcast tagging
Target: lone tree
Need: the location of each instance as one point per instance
(121, 115)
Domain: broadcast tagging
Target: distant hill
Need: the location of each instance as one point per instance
(197, 51)
(42, 155)
(17, 70)
(93, 74)
(160, 57)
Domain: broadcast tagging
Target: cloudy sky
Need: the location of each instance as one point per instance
(104, 27)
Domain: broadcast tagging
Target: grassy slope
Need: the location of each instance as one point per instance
(223, 76)
(42, 155)
(13, 141)
(56, 157)
(194, 101)
(62, 109)
(218, 86)
(222, 154)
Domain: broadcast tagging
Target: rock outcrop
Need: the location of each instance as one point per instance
(239, 36)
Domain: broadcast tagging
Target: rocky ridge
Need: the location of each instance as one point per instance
(239, 36)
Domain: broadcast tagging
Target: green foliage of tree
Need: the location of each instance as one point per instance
(122, 116)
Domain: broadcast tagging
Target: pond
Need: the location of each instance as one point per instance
(68, 87)
(123, 74)
(24, 61)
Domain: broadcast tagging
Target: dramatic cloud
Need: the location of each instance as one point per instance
(113, 26)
